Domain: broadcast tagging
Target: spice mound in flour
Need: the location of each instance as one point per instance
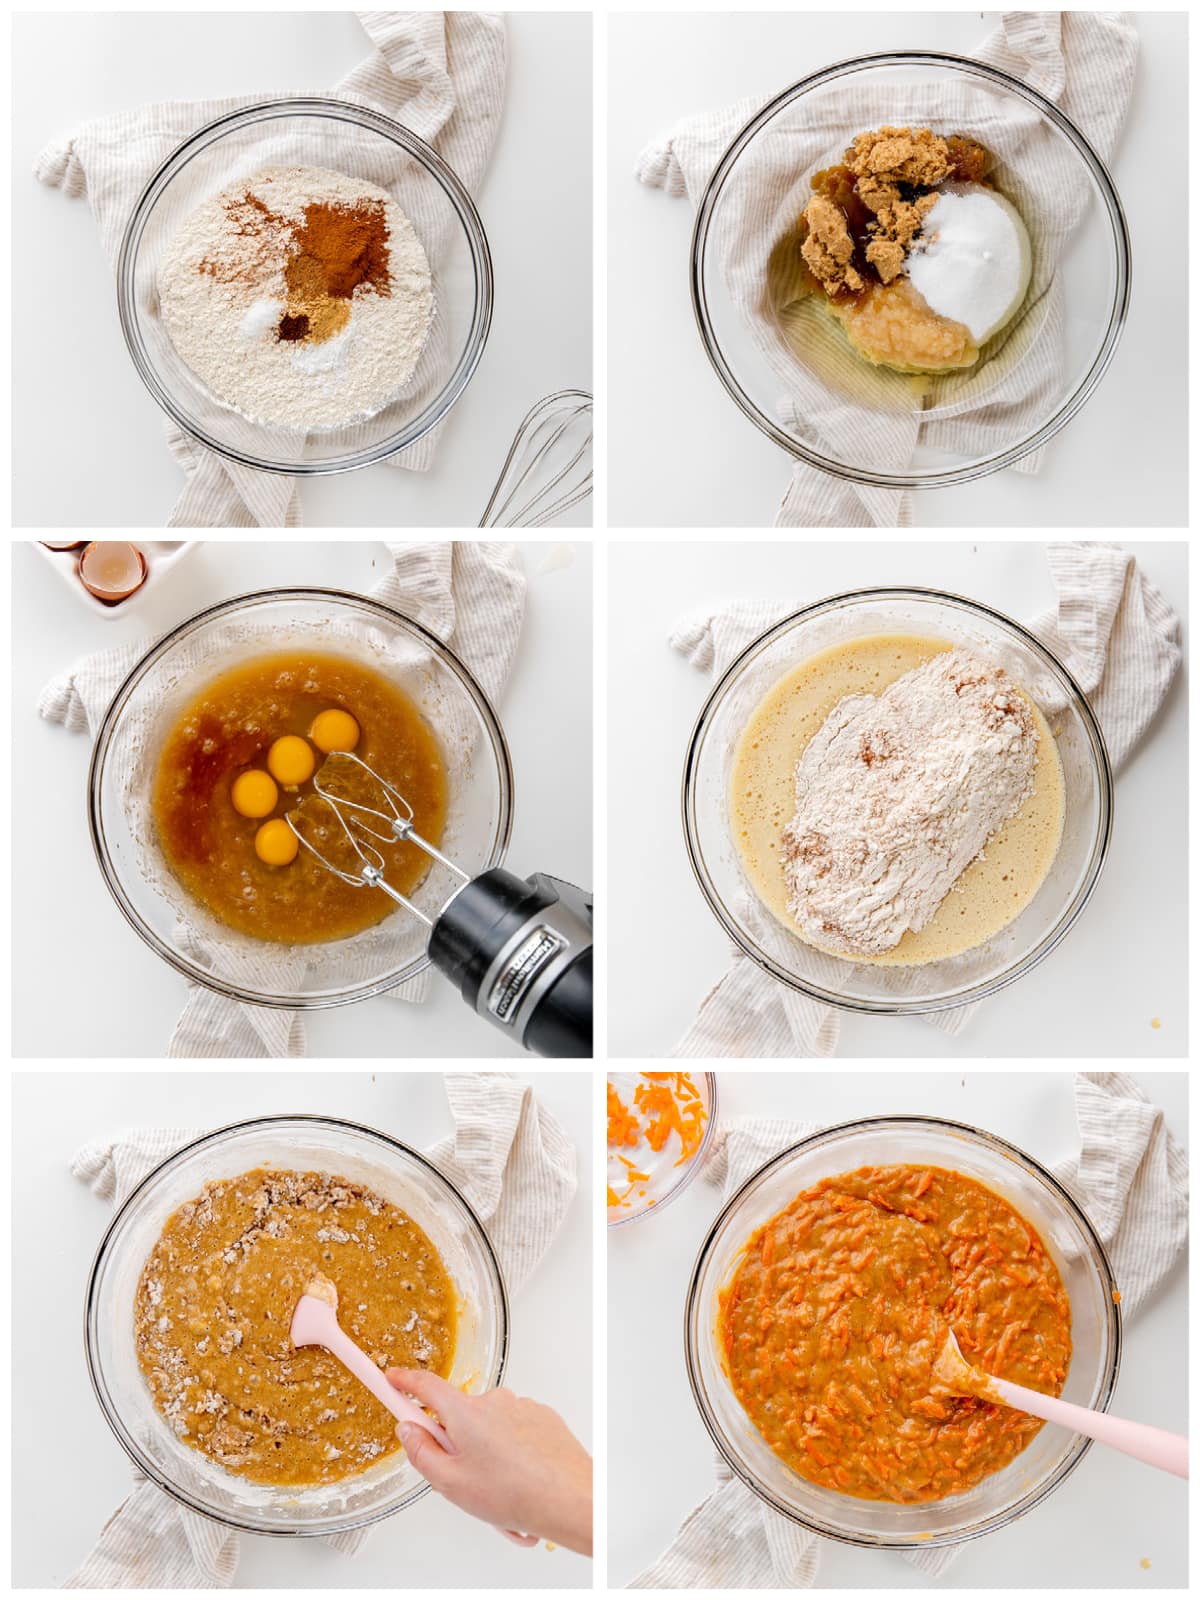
(896, 795)
(213, 1313)
(298, 296)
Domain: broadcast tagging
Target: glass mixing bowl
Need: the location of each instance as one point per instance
(301, 1144)
(363, 144)
(144, 708)
(1079, 239)
(666, 1181)
(1068, 1235)
(937, 985)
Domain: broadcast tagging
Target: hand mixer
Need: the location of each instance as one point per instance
(519, 950)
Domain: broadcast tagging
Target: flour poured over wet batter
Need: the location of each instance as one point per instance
(993, 889)
(213, 1315)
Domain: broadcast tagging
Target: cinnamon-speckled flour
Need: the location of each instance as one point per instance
(897, 793)
(896, 801)
(298, 296)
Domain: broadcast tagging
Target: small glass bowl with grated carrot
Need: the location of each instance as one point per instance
(660, 1126)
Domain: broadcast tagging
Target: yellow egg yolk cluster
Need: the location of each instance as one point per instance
(291, 762)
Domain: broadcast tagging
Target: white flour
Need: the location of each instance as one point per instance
(223, 293)
(896, 795)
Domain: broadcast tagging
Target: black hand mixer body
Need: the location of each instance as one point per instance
(519, 950)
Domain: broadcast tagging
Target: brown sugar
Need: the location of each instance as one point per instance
(828, 248)
(917, 156)
(887, 165)
(865, 214)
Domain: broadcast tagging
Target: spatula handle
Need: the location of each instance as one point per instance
(368, 1374)
(1156, 1447)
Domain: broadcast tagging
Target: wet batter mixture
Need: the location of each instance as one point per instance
(993, 889)
(214, 1308)
(836, 1313)
(230, 732)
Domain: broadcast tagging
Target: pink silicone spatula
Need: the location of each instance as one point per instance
(314, 1321)
(1167, 1451)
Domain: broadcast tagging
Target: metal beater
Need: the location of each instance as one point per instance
(519, 950)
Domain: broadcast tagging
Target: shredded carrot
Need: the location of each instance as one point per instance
(664, 1103)
(633, 1171)
(622, 1124)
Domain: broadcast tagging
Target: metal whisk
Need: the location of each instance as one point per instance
(519, 950)
(548, 468)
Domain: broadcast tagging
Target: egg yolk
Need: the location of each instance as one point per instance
(334, 730)
(275, 843)
(291, 760)
(254, 793)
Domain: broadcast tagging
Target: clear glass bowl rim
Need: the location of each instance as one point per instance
(215, 1136)
(693, 1166)
(691, 832)
(937, 1125)
(450, 184)
(498, 745)
(1001, 458)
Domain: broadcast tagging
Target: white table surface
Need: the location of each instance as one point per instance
(429, 1545)
(545, 711)
(680, 452)
(1125, 962)
(70, 365)
(1098, 1527)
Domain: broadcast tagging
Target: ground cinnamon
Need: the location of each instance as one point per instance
(335, 250)
(349, 244)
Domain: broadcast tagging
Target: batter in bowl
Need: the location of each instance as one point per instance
(243, 755)
(839, 1307)
(992, 889)
(213, 1313)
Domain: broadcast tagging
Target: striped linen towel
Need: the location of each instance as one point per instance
(1131, 1179)
(472, 596)
(511, 1160)
(440, 74)
(1085, 62)
(1113, 631)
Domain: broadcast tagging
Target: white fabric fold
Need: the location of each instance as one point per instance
(1083, 61)
(470, 594)
(1115, 633)
(516, 1166)
(440, 74)
(1129, 1176)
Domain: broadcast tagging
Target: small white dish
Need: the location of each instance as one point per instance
(162, 557)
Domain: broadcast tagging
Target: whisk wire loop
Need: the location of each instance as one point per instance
(536, 485)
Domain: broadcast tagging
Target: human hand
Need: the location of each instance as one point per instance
(516, 1463)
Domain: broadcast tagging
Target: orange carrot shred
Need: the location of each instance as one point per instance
(664, 1103)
